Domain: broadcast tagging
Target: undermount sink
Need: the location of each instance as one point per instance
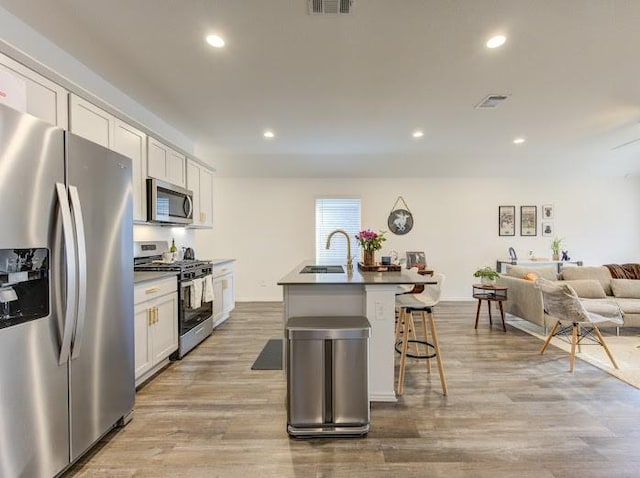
(322, 270)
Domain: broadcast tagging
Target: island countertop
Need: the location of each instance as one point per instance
(405, 276)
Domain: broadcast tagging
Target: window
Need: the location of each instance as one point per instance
(332, 214)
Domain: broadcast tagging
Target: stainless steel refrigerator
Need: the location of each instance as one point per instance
(66, 295)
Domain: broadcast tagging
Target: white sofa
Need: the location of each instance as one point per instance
(590, 283)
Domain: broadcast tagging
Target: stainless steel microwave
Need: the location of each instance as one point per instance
(168, 203)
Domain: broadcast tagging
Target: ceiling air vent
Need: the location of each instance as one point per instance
(491, 101)
(330, 6)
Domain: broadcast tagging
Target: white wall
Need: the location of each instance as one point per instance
(268, 224)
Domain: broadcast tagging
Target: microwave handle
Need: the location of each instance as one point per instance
(189, 211)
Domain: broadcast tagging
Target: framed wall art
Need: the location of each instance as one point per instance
(528, 220)
(506, 220)
(547, 229)
(547, 212)
(416, 259)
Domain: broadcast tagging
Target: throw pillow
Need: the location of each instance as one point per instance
(601, 274)
(532, 276)
(627, 288)
(587, 289)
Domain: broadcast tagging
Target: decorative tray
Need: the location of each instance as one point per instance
(379, 267)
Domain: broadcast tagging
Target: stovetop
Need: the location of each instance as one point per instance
(170, 266)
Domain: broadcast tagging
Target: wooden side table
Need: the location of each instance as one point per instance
(490, 293)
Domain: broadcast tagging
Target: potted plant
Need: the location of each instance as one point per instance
(370, 242)
(556, 244)
(487, 275)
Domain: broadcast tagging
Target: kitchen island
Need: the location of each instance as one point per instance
(368, 294)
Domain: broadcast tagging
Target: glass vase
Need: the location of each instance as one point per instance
(369, 258)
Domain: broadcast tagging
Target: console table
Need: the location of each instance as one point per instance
(530, 263)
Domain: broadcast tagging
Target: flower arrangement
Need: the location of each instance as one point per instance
(369, 240)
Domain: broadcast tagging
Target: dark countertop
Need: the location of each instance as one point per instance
(405, 276)
(144, 276)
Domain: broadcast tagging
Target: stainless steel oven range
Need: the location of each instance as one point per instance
(195, 317)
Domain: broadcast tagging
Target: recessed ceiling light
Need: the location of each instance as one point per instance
(418, 134)
(518, 141)
(269, 134)
(215, 41)
(496, 41)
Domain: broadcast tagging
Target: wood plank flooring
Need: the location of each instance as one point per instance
(511, 412)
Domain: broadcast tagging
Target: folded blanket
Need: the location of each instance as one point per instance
(624, 271)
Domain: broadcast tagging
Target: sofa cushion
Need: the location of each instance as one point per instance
(548, 273)
(628, 306)
(600, 273)
(532, 276)
(587, 288)
(628, 288)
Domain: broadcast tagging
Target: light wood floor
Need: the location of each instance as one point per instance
(510, 413)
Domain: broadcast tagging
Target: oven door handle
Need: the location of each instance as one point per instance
(186, 284)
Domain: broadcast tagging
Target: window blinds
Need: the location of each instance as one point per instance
(332, 214)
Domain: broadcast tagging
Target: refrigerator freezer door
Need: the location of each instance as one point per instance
(102, 364)
(34, 436)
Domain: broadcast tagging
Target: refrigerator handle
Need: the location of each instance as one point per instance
(81, 243)
(70, 253)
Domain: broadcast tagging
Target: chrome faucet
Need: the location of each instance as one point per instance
(349, 262)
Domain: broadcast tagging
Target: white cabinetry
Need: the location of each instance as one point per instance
(44, 98)
(224, 300)
(91, 122)
(133, 143)
(166, 164)
(200, 181)
(156, 325)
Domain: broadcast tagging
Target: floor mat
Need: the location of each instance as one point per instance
(270, 357)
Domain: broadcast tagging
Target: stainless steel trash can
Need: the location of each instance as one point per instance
(327, 363)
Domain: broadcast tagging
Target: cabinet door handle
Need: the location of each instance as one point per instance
(151, 290)
(150, 316)
(155, 315)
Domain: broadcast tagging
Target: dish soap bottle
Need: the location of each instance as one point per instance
(173, 249)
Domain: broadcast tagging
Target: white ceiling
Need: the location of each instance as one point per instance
(344, 93)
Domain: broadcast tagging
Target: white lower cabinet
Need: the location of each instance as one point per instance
(224, 300)
(156, 325)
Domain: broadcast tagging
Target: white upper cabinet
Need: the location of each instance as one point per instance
(133, 143)
(200, 181)
(166, 164)
(44, 99)
(91, 122)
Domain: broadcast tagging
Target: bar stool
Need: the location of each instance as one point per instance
(422, 303)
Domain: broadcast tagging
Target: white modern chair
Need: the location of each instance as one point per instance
(423, 303)
(575, 319)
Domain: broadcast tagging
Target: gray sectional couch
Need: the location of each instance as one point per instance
(592, 284)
